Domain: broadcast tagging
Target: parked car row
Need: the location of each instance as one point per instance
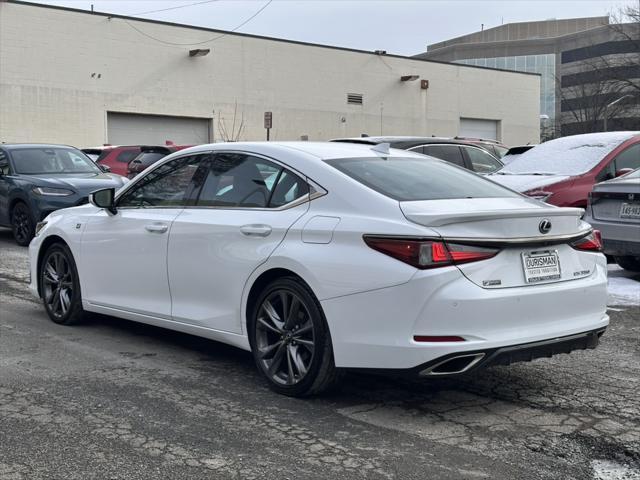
(476, 155)
(129, 160)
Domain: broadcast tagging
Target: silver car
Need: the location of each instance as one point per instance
(614, 209)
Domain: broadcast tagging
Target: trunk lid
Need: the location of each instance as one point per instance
(513, 225)
(617, 201)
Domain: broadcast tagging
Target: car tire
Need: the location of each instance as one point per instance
(629, 263)
(22, 224)
(295, 355)
(60, 285)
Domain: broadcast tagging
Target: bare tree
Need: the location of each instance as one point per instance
(584, 104)
(233, 135)
(601, 79)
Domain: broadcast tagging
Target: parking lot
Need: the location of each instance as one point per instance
(112, 399)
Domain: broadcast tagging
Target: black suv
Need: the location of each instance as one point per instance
(37, 179)
(464, 154)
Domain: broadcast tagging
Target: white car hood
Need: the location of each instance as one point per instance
(524, 183)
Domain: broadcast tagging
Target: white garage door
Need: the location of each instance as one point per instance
(479, 128)
(134, 129)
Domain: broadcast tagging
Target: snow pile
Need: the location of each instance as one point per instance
(572, 155)
(624, 287)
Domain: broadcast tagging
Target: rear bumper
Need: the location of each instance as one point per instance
(525, 352)
(618, 238)
(376, 329)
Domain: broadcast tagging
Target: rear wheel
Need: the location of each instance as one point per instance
(22, 224)
(290, 339)
(629, 263)
(60, 286)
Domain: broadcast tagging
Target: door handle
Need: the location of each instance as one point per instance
(157, 228)
(256, 230)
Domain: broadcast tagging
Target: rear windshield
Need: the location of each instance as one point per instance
(409, 179)
(147, 158)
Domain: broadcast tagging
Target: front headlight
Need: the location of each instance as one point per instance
(40, 226)
(53, 192)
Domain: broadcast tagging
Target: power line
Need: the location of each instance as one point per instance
(174, 8)
(258, 12)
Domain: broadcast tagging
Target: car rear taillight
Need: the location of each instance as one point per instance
(590, 243)
(425, 254)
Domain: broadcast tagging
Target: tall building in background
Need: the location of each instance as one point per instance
(585, 64)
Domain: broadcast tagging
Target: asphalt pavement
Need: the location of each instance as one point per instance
(112, 399)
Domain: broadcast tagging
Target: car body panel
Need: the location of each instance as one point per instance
(210, 297)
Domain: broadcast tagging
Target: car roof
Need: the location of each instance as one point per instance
(320, 150)
(402, 140)
(15, 146)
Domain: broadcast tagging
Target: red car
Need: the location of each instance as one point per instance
(563, 171)
(115, 157)
(149, 155)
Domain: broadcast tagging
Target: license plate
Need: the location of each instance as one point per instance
(541, 266)
(630, 210)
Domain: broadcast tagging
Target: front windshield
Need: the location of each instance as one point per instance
(571, 156)
(51, 161)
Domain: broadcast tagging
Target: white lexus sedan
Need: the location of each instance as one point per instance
(324, 257)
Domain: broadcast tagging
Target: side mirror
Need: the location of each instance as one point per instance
(104, 168)
(623, 171)
(104, 198)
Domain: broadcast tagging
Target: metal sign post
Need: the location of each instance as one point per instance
(268, 122)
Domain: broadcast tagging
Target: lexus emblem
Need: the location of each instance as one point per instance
(545, 226)
(631, 196)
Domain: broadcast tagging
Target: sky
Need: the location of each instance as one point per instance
(403, 27)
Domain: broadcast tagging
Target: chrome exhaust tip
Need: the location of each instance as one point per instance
(454, 365)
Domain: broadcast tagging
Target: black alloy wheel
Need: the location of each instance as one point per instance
(22, 224)
(290, 339)
(59, 286)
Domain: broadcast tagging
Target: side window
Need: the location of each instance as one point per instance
(607, 173)
(289, 188)
(629, 158)
(4, 164)
(240, 180)
(169, 185)
(482, 161)
(127, 155)
(449, 153)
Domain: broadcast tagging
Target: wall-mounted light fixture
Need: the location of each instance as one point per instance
(409, 78)
(199, 52)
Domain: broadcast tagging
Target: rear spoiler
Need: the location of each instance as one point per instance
(437, 219)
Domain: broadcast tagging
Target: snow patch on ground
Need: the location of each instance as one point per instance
(624, 287)
(607, 470)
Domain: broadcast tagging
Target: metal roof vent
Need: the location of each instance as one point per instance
(354, 98)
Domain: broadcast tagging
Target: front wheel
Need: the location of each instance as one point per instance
(60, 286)
(22, 224)
(290, 339)
(629, 263)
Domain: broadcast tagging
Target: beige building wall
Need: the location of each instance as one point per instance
(61, 71)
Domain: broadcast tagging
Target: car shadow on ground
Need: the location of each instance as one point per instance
(204, 354)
